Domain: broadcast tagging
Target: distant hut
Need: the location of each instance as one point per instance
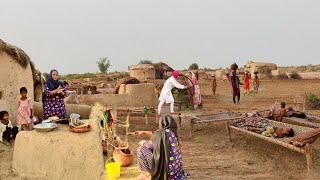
(16, 71)
(221, 74)
(260, 67)
(160, 67)
(142, 71)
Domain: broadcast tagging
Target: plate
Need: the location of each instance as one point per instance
(47, 121)
(45, 127)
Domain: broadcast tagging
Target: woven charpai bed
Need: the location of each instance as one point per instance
(212, 118)
(284, 142)
(310, 121)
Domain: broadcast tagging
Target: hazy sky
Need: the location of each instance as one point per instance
(72, 35)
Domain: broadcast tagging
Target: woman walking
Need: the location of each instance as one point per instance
(235, 84)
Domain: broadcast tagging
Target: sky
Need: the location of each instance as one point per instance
(71, 35)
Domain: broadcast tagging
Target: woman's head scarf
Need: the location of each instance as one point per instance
(51, 83)
(161, 153)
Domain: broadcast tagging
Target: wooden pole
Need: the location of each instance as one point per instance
(228, 130)
(127, 127)
(157, 117)
(115, 119)
(191, 128)
(146, 118)
(308, 151)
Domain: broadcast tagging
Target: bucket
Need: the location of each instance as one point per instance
(112, 169)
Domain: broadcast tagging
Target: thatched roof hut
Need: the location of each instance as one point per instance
(16, 71)
(260, 67)
(159, 66)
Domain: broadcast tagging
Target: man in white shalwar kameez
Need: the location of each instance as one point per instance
(166, 94)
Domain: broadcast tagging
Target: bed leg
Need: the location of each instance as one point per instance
(228, 130)
(308, 150)
(179, 116)
(157, 116)
(191, 128)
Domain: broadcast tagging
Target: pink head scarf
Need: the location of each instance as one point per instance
(176, 74)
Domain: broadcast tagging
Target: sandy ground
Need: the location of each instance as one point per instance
(210, 155)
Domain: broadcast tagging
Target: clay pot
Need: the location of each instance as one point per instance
(124, 156)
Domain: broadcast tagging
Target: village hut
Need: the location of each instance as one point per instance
(160, 67)
(16, 71)
(260, 67)
(142, 71)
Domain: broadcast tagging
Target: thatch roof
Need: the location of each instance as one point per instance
(15, 53)
(22, 58)
(157, 66)
(261, 64)
(160, 65)
(141, 67)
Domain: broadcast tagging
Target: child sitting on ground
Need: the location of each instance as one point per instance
(7, 131)
(24, 113)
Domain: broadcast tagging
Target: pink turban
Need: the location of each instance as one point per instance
(176, 74)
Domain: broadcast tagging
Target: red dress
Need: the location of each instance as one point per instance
(246, 80)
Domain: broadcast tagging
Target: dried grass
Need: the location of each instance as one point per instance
(15, 53)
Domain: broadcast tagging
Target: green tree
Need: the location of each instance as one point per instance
(103, 64)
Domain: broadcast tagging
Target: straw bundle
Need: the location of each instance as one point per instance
(97, 111)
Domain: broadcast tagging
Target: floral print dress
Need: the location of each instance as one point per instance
(53, 105)
(175, 166)
(24, 112)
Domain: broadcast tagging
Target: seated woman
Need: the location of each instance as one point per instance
(53, 97)
(160, 158)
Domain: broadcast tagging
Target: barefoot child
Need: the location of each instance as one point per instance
(256, 82)
(246, 80)
(7, 131)
(24, 113)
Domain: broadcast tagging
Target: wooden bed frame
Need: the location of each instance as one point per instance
(300, 122)
(306, 150)
(193, 120)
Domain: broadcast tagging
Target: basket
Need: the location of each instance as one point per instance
(79, 130)
(124, 156)
(112, 169)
